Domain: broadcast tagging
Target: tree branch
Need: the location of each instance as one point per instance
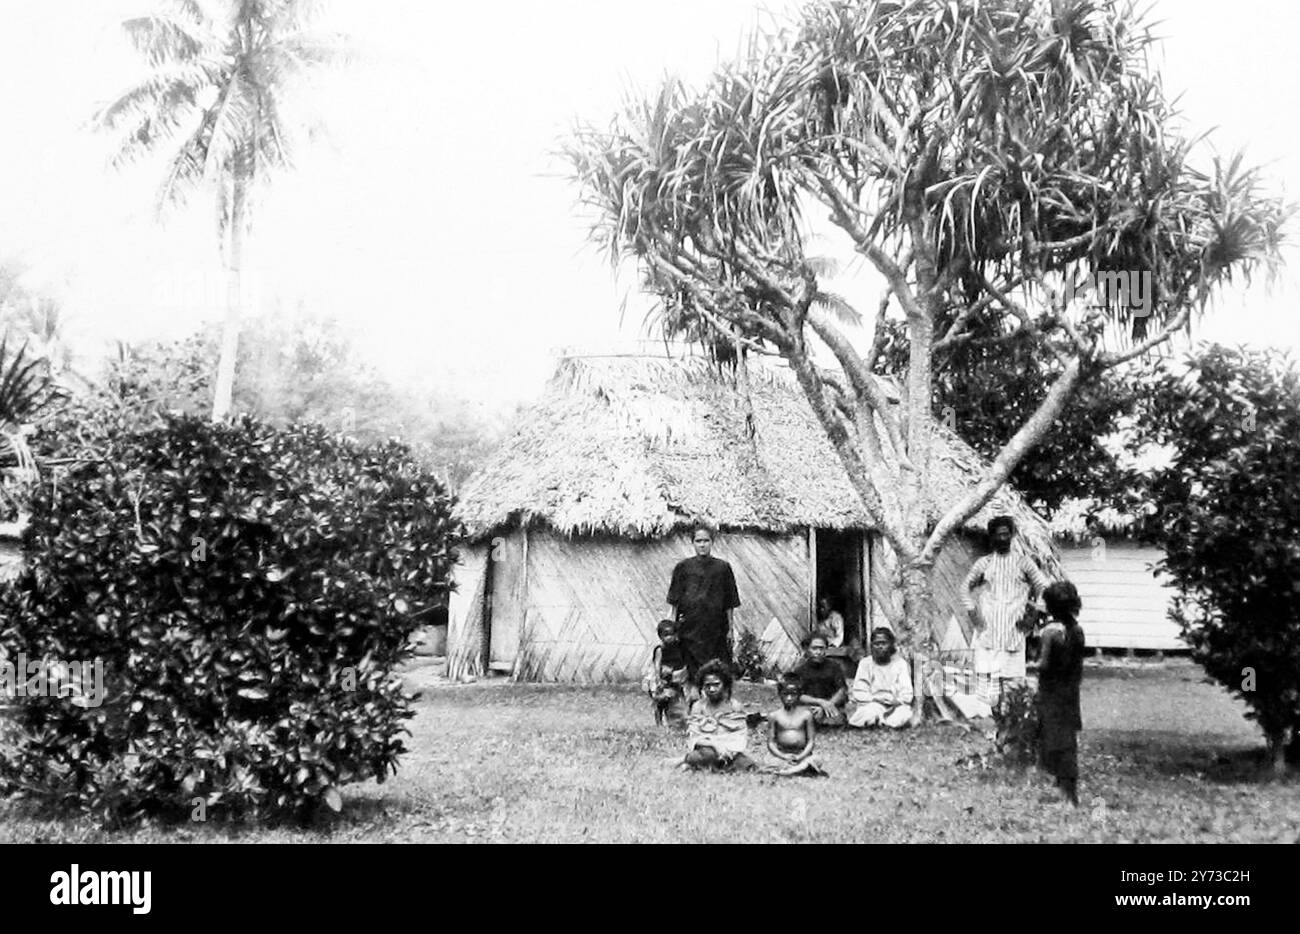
(859, 474)
(1109, 360)
(861, 379)
(1007, 460)
(893, 273)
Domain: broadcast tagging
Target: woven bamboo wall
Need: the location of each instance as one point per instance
(950, 569)
(465, 614)
(592, 604)
(508, 580)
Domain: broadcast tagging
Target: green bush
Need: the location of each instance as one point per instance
(249, 591)
(1018, 726)
(1228, 520)
(750, 661)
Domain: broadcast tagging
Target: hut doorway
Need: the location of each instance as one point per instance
(839, 576)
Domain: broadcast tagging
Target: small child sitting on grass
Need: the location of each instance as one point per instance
(792, 731)
(717, 729)
(665, 681)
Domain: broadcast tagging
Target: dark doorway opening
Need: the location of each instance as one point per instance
(839, 577)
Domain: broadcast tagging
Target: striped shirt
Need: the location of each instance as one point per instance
(1009, 582)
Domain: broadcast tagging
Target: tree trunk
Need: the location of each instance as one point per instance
(746, 396)
(1277, 742)
(223, 394)
(918, 604)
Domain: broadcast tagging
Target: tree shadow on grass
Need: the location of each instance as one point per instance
(45, 823)
(1173, 756)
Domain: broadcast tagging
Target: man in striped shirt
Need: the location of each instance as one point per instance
(1010, 582)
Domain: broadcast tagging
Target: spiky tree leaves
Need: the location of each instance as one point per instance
(987, 159)
(213, 98)
(25, 385)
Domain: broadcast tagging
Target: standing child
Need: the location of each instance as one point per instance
(1060, 673)
(882, 689)
(665, 681)
(792, 731)
(717, 729)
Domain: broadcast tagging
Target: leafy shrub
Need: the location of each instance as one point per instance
(1228, 520)
(1018, 728)
(750, 660)
(249, 591)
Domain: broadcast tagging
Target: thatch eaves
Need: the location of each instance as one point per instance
(640, 446)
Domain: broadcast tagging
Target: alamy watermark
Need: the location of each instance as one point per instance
(81, 681)
(1125, 288)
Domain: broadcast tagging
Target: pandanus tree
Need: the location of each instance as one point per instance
(213, 98)
(988, 160)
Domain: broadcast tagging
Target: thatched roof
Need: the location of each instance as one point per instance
(640, 446)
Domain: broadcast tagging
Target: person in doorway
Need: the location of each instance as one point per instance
(823, 687)
(830, 623)
(1009, 585)
(703, 595)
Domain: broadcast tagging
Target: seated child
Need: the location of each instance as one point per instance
(717, 730)
(791, 732)
(822, 682)
(665, 681)
(882, 689)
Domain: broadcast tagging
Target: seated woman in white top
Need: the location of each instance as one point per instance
(829, 623)
(882, 690)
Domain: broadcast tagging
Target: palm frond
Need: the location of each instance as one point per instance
(839, 307)
(302, 51)
(241, 59)
(165, 40)
(169, 88)
(26, 387)
(189, 10)
(823, 265)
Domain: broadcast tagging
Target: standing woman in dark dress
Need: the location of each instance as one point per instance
(703, 594)
(1060, 672)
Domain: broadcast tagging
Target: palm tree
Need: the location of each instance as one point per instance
(216, 81)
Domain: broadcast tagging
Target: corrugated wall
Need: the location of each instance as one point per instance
(1125, 606)
(593, 603)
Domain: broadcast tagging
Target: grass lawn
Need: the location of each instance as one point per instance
(1165, 757)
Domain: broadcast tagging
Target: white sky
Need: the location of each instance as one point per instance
(431, 221)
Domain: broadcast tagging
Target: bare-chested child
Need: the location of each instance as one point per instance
(792, 731)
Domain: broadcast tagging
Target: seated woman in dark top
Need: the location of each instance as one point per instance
(823, 685)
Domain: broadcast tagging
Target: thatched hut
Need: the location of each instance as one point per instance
(577, 520)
